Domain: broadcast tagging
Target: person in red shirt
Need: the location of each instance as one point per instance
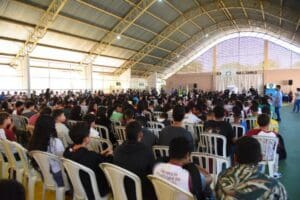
(263, 121)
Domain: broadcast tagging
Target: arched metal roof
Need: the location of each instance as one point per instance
(147, 36)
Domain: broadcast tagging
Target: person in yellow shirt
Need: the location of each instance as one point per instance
(274, 127)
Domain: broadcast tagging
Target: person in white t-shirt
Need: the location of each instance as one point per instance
(61, 129)
(190, 117)
(45, 138)
(175, 170)
(90, 119)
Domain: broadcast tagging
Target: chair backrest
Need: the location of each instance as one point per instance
(103, 131)
(155, 131)
(228, 119)
(20, 122)
(115, 175)
(251, 121)
(198, 130)
(73, 170)
(156, 114)
(268, 147)
(114, 124)
(43, 161)
(238, 130)
(121, 133)
(98, 144)
(211, 163)
(160, 151)
(22, 152)
(156, 125)
(9, 153)
(210, 143)
(166, 190)
(71, 123)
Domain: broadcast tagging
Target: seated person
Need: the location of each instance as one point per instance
(190, 117)
(117, 114)
(274, 127)
(219, 126)
(244, 180)
(237, 117)
(136, 157)
(78, 152)
(177, 169)
(12, 190)
(61, 128)
(29, 109)
(176, 129)
(90, 119)
(163, 118)
(263, 121)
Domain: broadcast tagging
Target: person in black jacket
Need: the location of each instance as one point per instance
(78, 152)
(136, 157)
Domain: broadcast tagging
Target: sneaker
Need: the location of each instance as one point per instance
(277, 175)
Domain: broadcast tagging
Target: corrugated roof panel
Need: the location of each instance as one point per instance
(15, 31)
(43, 3)
(218, 16)
(120, 8)
(85, 13)
(150, 60)
(151, 23)
(74, 27)
(203, 20)
(179, 37)
(9, 46)
(52, 53)
(107, 61)
(22, 12)
(189, 28)
(118, 52)
(158, 53)
(163, 11)
(183, 6)
(168, 45)
(138, 33)
(60, 40)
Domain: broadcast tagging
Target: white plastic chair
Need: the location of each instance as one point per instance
(73, 169)
(115, 176)
(155, 131)
(166, 190)
(251, 121)
(43, 161)
(155, 125)
(156, 114)
(160, 151)
(238, 130)
(269, 152)
(211, 163)
(103, 131)
(228, 119)
(4, 164)
(114, 124)
(121, 134)
(29, 171)
(98, 144)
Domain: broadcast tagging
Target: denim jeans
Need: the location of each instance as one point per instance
(296, 105)
(277, 111)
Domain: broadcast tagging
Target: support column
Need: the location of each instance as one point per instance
(89, 77)
(25, 71)
(214, 67)
(266, 59)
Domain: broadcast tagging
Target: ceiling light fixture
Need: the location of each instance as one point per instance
(118, 37)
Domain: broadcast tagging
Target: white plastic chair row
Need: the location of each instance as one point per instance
(103, 131)
(121, 134)
(160, 151)
(156, 114)
(238, 130)
(155, 125)
(98, 144)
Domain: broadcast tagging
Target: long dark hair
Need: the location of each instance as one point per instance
(43, 131)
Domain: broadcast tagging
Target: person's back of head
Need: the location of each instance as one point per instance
(263, 120)
(89, 119)
(29, 104)
(247, 151)
(128, 114)
(134, 131)
(179, 149)
(4, 116)
(19, 104)
(178, 113)
(79, 132)
(11, 190)
(58, 115)
(219, 112)
(46, 111)
(236, 111)
(266, 110)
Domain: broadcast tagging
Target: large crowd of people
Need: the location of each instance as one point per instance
(49, 112)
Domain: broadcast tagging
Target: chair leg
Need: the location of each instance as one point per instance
(31, 187)
(60, 193)
(271, 168)
(19, 175)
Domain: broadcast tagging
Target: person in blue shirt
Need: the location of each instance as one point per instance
(278, 102)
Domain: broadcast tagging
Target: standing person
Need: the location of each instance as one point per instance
(278, 102)
(297, 101)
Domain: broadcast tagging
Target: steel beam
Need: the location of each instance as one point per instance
(296, 29)
(263, 12)
(117, 31)
(40, 29)
(245, 12)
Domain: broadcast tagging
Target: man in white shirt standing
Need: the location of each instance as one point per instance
(61, 128)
